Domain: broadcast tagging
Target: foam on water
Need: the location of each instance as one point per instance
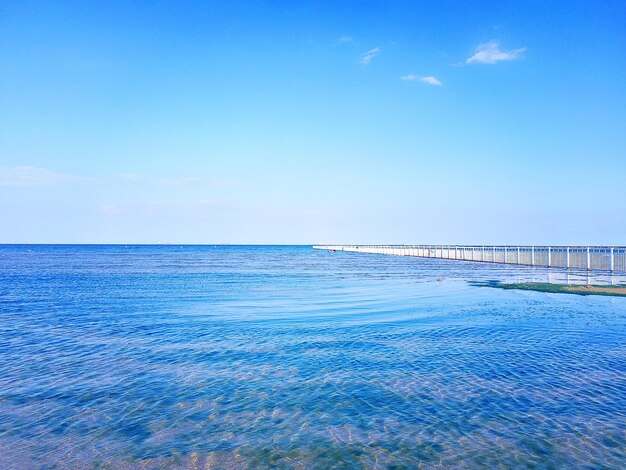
(285, 357)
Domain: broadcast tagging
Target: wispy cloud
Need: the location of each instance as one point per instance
(490, 53)
(345, 39)
(206, 202)
(111, 209)
(367, 57)
(177, 181)
(429, 79)
(130, 176)
(225, 183)
(30, 176)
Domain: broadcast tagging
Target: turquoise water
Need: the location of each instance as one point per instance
(288, 357)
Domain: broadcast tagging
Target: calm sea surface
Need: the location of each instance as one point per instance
(289, 357)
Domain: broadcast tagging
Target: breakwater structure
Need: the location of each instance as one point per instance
(591, 258)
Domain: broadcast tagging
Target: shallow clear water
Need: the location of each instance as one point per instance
(288, 357)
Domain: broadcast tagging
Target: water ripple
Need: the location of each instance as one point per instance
(280, 357)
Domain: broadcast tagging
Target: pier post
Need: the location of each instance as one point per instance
(505, 255)
(518, 255)
(588, 259)
(612, 260)
(549, 256)
(532, 255)
(567, 257)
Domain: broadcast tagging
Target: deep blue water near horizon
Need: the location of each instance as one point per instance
(288, 357)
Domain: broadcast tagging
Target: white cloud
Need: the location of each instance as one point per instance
(345, 39)
(130, 176)
(206, 202)
(225, 183)
(182, 181)
(367, 57)
(490, 53)
(30, 176)
(111, 209)
(429, 79)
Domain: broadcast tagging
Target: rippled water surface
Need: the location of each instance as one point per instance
(288, 357)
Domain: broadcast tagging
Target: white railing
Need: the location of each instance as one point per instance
(601, 258)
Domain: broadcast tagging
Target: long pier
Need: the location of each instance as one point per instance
(591, 258)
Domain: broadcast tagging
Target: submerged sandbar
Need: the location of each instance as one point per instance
(619, 291)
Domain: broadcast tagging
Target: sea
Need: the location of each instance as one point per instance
(259, 357)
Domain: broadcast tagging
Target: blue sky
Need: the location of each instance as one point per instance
(302, 122)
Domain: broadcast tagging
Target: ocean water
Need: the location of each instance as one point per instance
(287, 357)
